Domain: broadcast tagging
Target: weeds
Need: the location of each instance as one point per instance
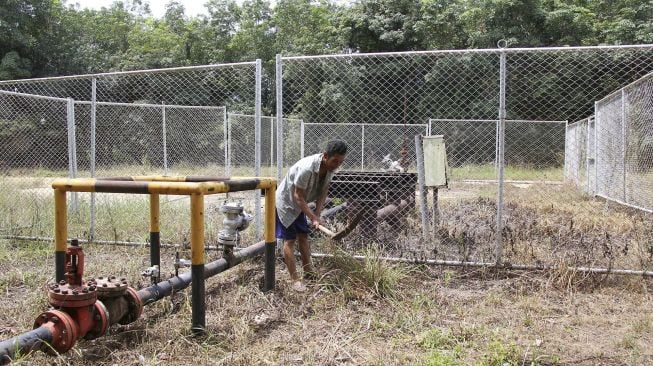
(359, 277)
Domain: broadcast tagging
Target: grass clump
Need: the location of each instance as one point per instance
(358, 277)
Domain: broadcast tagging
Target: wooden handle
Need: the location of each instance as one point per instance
(329, 233)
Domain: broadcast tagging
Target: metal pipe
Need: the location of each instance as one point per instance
(257, 146)
(329, 213)
(165, 139)
(162, 289)
(419, 153)
(93, 154)
(104, 242)
(502, 266)
(477, 51)
(279, 93)
(35, 339)
(270, 242)
(60, 232)
(197, 262)
(155, 233)
(135, 72)
(501, 154)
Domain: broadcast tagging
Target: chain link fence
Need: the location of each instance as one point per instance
(152, 122)
(503, 114)
(516, 169)
(624, 145)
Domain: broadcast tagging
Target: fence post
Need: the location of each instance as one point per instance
(597, 118)
(165, 144)
(72, 150)
(225, 121)
(279, 84)
(228, 144)
(588, 158)
(419, 154)
(271, 142)
(362, 147)
(257, 147)
(278, 78)
(93, 157)
(302, 132)
(624, 151)
(501, 150)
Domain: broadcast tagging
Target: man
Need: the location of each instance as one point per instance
(307, 181)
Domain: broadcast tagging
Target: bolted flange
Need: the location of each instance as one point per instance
(63, 328)
(65, 295)
(100, 321)
(108, 287)
(135, 307)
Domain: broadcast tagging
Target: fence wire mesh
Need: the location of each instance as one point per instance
(624, 145)
(532, 215)
(576, 153)
(33, 150)
(152, 122)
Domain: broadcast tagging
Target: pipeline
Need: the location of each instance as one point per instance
(506, 266)
(57, 330)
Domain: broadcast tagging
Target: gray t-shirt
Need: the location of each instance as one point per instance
(305, 174)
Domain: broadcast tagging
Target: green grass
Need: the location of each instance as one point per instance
(511, 172)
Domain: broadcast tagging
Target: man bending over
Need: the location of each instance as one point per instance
(307, 181)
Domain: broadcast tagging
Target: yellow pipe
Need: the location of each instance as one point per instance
(197, 228)
(270, 213)
(154, 213)
(158, 187)
(60, 220)
(159, 178)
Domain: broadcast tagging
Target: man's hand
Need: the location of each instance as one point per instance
(315, 222)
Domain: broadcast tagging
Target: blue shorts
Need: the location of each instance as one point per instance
(300, 225)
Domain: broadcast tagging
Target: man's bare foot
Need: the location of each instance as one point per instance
(298, 286)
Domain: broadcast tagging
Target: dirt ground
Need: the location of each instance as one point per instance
(411, 315)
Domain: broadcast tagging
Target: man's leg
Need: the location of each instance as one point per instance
(289, 258)
(305, 253)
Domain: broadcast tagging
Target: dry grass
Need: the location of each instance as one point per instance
(423, 316)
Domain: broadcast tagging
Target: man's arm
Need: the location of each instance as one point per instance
(319, 204)
(298, 195)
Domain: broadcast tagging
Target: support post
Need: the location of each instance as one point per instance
(278, 82)
(500, 156)
(302, 132)
(165, 138)
(93, 124)
(225, 142)
(257, 147)
(155, 233)
(362, 147)
(197, 263)
(624, 142)
(60, 233)
(72, 150)
(270, 244)
(419, 153)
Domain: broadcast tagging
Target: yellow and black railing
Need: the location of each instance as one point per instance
(194, 186)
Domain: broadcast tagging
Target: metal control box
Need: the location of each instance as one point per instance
(436, 170)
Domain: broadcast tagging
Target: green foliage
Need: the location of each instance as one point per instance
(48, 37)
(358, 278)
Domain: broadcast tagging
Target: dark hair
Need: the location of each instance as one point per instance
(336, 147)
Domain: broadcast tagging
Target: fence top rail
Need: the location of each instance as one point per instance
(628, 86)
(367, 124)
(492, 120)
(467, 51)
(17, 94)
(584, 120)
(148, 105)
(134, 72)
